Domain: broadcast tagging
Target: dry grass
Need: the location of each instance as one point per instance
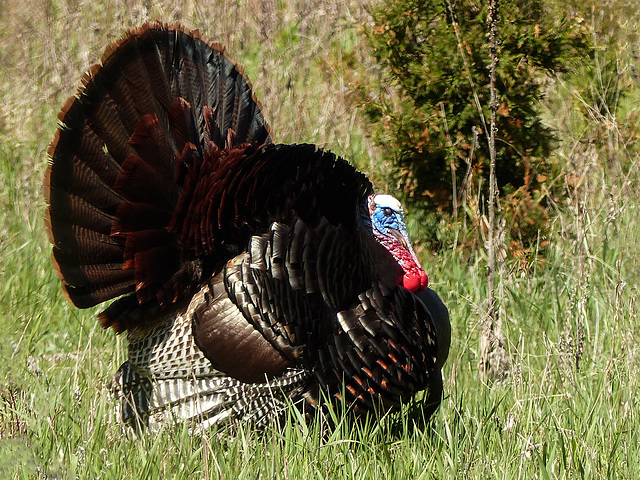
(290, 50)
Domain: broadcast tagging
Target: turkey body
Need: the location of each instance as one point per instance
(246, 275)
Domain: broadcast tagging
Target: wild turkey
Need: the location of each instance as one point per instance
(248, 275)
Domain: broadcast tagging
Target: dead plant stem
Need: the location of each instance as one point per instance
(494, 362)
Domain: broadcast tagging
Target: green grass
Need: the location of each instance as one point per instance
(567, 408)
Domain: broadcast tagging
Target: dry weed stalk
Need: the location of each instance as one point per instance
(494, 362)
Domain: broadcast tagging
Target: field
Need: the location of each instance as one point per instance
(566, 406)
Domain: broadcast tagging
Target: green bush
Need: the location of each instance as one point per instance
(429, 108)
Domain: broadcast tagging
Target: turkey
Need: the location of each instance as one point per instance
(248, 276)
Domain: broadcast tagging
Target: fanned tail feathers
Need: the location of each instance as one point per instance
(112, 183)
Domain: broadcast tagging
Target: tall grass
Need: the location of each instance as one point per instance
(568, 408)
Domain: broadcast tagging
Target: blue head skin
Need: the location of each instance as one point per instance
(387, 220)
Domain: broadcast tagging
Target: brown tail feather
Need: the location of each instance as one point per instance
(114, 172)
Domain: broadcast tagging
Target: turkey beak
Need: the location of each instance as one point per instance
(403, 237)
(400, 236)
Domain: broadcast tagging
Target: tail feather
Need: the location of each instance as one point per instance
(72, 211)
(116, 161)
(74, 152)
(106, 122)
(153, 143)
(139, 181)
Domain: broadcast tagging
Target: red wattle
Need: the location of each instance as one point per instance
(415, 281)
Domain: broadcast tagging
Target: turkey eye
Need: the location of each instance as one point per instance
(387, 211)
